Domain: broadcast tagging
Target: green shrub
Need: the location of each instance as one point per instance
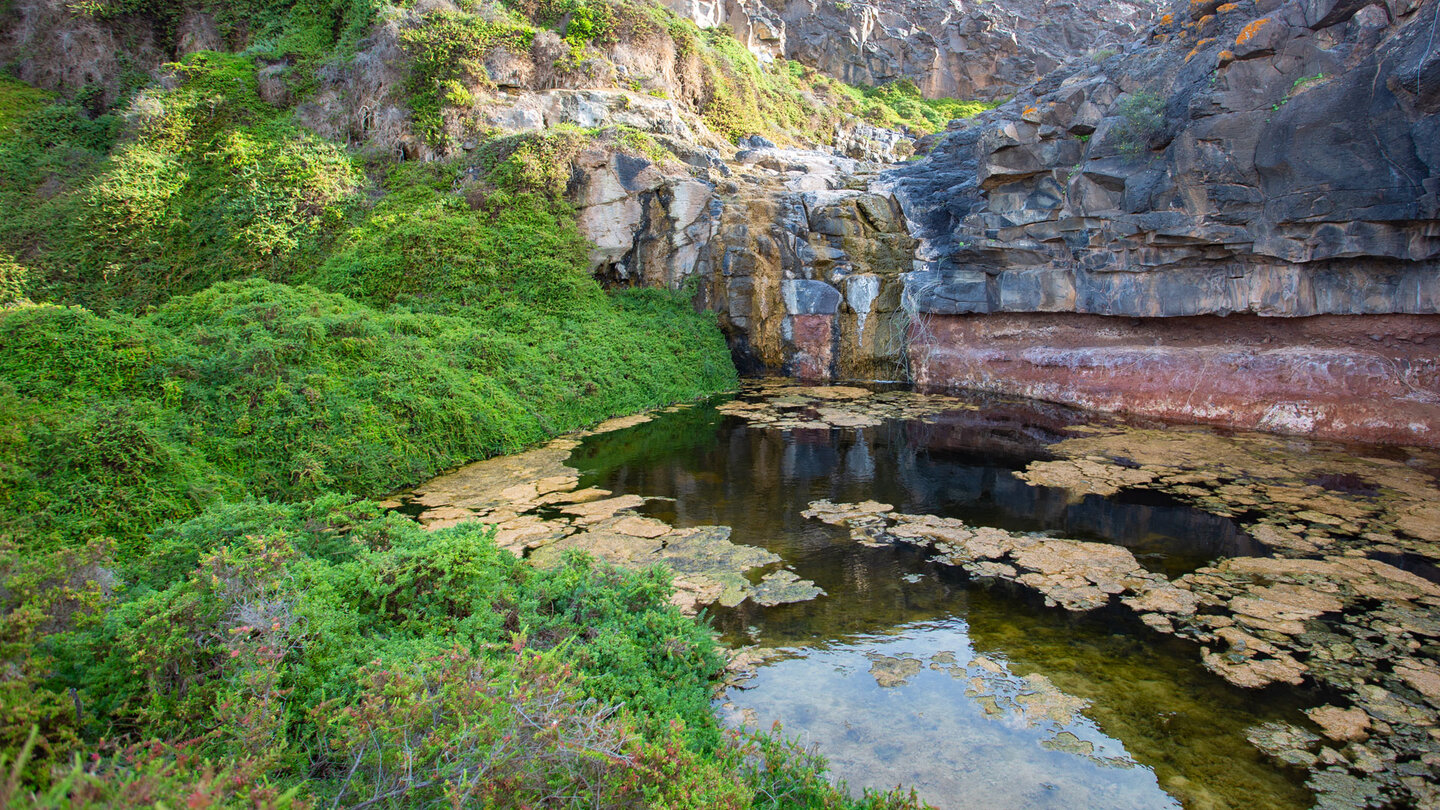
(13, 281)
(333, 652)
(518, 247)
(449, 49)
(153, 774)
(211, 185)
(259, 617)
(122, 424)
(1142, 118)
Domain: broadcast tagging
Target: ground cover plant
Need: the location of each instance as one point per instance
(219, 332)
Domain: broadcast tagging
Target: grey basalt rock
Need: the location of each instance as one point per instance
(1277, 158)
(957, 48)
(804, 297)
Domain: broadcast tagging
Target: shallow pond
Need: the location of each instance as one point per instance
(1006, 603)
(908, 671)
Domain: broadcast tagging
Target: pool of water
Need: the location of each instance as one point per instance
(908, 672)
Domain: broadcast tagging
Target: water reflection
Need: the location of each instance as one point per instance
(878, 705)
(1177, 730)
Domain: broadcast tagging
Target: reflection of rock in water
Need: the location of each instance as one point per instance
(1299, 498)
(1336, 605)
(539, 511)
(1351, 623)
(922, 708)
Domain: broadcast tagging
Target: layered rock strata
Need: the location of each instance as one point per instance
(799, 257)
(1236, 221)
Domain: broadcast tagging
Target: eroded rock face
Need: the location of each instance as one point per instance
(1375, 378)
(1234, 221)
(1200, 174)
(984, 50)
(1274, 159)
(801, 259)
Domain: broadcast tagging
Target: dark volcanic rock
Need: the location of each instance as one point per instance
(987, 49)
(1264, 158)
(1277, 162)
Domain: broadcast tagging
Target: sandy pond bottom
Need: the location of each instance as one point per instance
(1010, 604)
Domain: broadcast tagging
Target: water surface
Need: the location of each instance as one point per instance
(906, 671)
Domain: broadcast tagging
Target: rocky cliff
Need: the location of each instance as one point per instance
(1227, 212)
(1234, 220)
(1130, 219)
(986, 49)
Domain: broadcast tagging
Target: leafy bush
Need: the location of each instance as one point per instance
(1142, 118)
(123, 424)
(508, 248)
(334, 652)
(13, 281)
(209, 185)
(153, 774)
(449, 48)
(208, 655)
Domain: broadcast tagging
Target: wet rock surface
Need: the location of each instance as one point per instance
(539, 512)
(920, 497)
(1349, 599)
(782, 405)
(1358, 626)
(1297, 497)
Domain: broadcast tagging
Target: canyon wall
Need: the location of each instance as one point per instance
(1234, 220)
(974, 49)
(1237, 221)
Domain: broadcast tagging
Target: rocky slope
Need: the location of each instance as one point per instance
(969, 49)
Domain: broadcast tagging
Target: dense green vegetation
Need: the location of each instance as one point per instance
(220, 332)
(327, 651)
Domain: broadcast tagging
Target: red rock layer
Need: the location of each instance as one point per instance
(1362, 378)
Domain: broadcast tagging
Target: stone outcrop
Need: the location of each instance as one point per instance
(1292, 177)
(1237, 220)
(950, 48)
(1094, 240)
(799, 258)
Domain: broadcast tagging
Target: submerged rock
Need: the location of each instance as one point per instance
(781, 405)
(891, 672)
(1257, 620)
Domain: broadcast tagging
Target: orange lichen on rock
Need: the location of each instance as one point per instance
(1248, 32)
(1166, 19)
(1227, 7)
(1205, 20)
(1226, 57)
